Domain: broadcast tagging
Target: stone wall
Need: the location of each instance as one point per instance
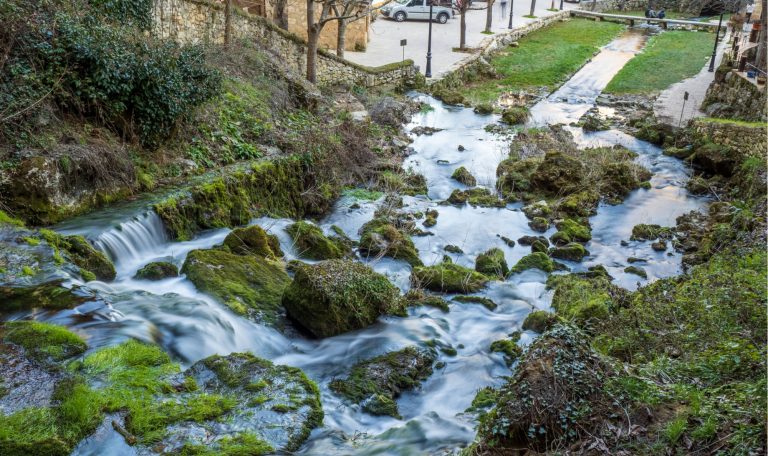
(200, 21)
(749, 140)
(731, 96)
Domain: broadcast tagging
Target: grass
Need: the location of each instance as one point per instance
(672, 15)
(741, 123)
(546, 57)
(667, 58)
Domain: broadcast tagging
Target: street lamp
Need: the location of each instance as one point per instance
(714, 51)
(428, 73)
(561, 5)
(511, 12)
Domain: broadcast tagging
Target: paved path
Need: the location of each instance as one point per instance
(384, 46)
(669, 104)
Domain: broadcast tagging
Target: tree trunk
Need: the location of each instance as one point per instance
(489, 16)
(762, 37)
(463, 36)
(533, 7)
(313, 36)
(227, 23)
(279, 15)
(341, 38)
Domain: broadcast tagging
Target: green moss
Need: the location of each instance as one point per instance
(581, 204)
(509, 348)
(481, 197)
(448, 277)
(644, 232)
(492, 263)
(51, 295)
(539, 224)
(7, 219)
(417, 297)
(28, 271)
(380, 237)
(485, 302)
(244, 443)
(380, 380)
(514, 175)
(157, 270)
(431, 218)
(636, 270)
(585, 301)
(462, 175)
(572, 251)
(247, 284)
(336, 296)
(81, 253)
(515, 115)
(538, 321)
(87, 275)
(570, 230)
(43, 341)
(535, 260)
(310, 242)
(252, 240)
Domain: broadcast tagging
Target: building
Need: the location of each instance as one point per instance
(296, 12)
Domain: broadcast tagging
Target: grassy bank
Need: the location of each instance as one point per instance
(546, 57)
(667, 58)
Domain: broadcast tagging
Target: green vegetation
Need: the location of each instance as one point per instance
(377, 382)
(485, 302)
(43, 341)
(546, 57)
(508, 347)
(492, 263)
(572, 251)
(539, 321)
(249, 285)
(253, 240)
(667, 58)
(449, 278)
(310, 242)
(157, 270)
(417, 297)
(336, 296)
(81, 253)
(463, 175)
(535, 260)
(380, 237)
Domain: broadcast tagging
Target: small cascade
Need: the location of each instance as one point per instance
(133, 240)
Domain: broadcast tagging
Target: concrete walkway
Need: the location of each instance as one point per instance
(384, 46)
(669, 105)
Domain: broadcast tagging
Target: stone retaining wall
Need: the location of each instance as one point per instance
(733, 97)
(748, 140)
(198, 21)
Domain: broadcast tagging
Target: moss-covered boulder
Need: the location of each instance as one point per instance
(585, 299)
(559, 174)
(481, 197)
(539, 321)
(529, 240)
(310, 242)
(514, 175)
(80, 252)
(430, 218)
(492, 263)
(418, 297)
(570, 230)
(636, 270)
(646, 232)
(336, 296)
(377, 382)
(43, 341)
(483, 301)
(580, 204)
(253, 240)
(535, 260)
(515, 115)
(249, 285)
(508, 347)
(449, 278)
(157, 270)
(539, 224)
(572, 251)
(380, 237)
(461, 174)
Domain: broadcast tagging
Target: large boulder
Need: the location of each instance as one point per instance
(249, 285)
(336, 296)
(448, 277)
(389, 112)
(377, 382)
(157, 270)
(253, 240)
(492, 263)
(380, 237)
(310, 242)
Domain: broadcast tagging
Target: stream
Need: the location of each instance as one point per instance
(190, 326)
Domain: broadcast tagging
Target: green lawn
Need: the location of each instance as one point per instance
(546, 57)
(667, 58)
(641, 13)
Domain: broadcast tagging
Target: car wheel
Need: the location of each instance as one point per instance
(399, 16)
(442, 18)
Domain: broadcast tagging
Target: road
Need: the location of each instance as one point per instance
(384, 45)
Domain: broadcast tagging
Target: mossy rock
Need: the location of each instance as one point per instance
(530, 240)
(80, 252)
(514, 175)
(43, 341)
(483, 301)
(636, 270)
(539, 224)
(535, 260)
(51, 295)
(381, 237)
(540, 246)
(539, 321)
(570, 230)
(431, 218)
(249, 285)
(450, 97)
(580, 204)
(476, 197)
(646, 232)
(461, 174)
(559, 174)
(572, 251)
(253, 240)
(337, 296)
(509, 348)
(377, 382)
(483, 109)
(311, 243)
(515, 115)
(585, 299)
(492, 263)
(448, 278)
(450, 248)
(417, 297)
(620, 178)
(157, 270)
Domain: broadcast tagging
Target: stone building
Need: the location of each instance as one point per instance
(296, 11)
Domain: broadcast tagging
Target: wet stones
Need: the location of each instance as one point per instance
(645, 232)
(336, 296)
(535, 260)
(636, 270)
(253, 240)
(462, 175)
(248, 284)
(570, 230)
(539, 321)
(539, 224)
(380, 237)
(431, 218)
(157, 270)
(483, 301)
(377, 382)
(515, 115)
(310, 242)
(492, 263)
(572, 251)
(476, 197)
(448, 277)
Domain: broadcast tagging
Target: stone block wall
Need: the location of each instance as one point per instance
(747, 140)
(201, 21)
(731, 96)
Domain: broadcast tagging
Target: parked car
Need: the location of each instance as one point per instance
(401, 10)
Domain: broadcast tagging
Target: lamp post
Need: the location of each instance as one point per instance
(511, 12)
(428, 73)
(561, 5)
(714, 51)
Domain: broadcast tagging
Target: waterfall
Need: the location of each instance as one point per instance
(133, 240)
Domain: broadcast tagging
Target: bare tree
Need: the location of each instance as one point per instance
(760, 61)
(463, 7)
(228, 22)
(279, 14)
(533, 7)
(489, 16)
(344, 11)
(329, 10)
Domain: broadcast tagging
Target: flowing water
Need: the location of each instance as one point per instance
(190, 325)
